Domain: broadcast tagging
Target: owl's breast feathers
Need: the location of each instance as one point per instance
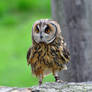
(53, 56)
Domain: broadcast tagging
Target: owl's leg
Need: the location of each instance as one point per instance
(57, 78)
(40, 79)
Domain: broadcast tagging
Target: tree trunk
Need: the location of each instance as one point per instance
(75, 19)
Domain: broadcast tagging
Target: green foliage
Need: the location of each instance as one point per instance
(9, 21)
(16, 20)
(2, 9)
(30, 5)
(24, 5)
(11, 11)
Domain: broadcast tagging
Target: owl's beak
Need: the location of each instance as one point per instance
(41, 36)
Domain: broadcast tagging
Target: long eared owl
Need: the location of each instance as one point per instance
(48, 53)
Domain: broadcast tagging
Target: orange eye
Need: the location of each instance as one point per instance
(47, 30)
(37, 31)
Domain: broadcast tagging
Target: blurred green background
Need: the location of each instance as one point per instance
(16, 20)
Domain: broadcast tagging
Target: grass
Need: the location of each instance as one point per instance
(15, 39)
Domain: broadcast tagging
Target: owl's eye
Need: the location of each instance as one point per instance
(37, 30)
(47, 30)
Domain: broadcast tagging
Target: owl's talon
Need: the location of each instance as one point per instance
(40, 83)
(57, 79)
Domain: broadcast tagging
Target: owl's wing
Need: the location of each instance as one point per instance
(28, 55)
(65, 52)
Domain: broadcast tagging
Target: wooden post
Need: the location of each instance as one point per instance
(75, 19)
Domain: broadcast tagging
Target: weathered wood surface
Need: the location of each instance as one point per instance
(53, 87)
(75, 18)
(14, 89)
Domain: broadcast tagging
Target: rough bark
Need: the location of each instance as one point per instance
(74, 17)
(53, 87)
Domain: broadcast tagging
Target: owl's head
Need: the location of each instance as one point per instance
(45, 31)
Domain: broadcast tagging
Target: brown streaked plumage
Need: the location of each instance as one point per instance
(47, 55)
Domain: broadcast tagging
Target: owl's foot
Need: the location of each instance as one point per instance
(40, 82)
(57, 79)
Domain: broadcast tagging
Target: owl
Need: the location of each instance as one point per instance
(48, 53)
